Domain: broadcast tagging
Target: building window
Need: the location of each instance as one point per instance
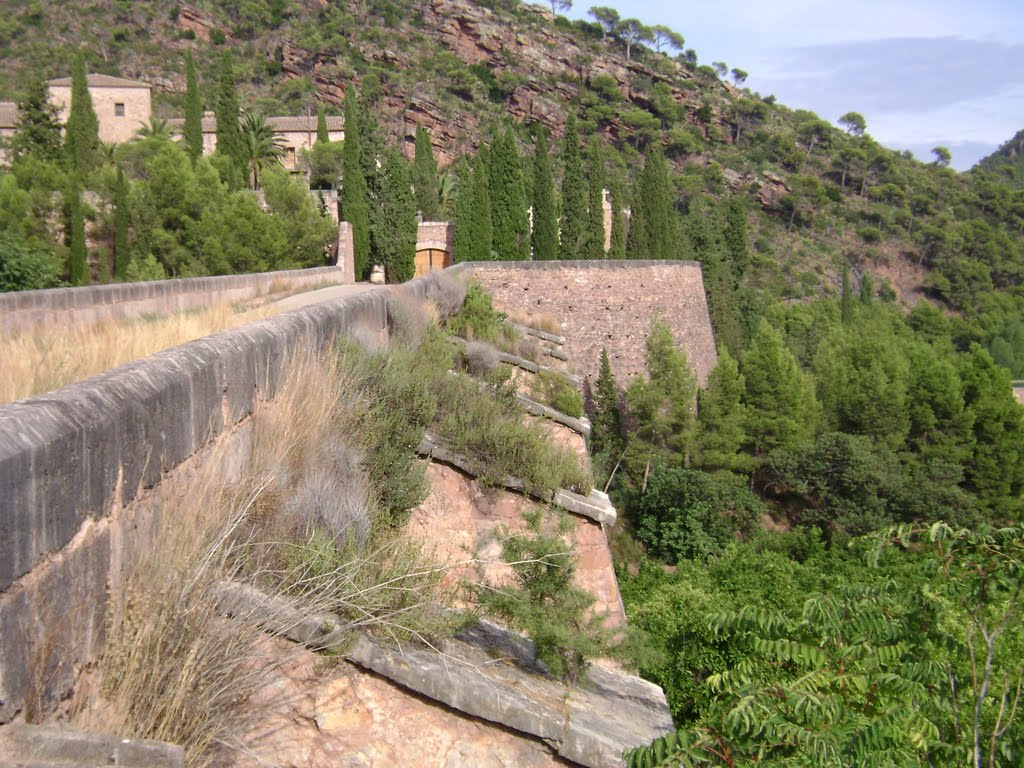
(119, 109)
(289, 157)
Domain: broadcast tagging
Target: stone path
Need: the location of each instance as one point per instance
(323, 294)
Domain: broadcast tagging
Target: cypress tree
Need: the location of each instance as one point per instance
(867, 289)
(483, 230)
(229, 134)
(545, 218)
(354, 203)
(82, 139)
(511, 227)
(78, 257)
(38, 131)
(735, 237)
(321, 126)
(425, 177)
(652, 226)
(846, 298)
(617, 248)
(371, 143)
(465, 213)
(393, 236)
(193, 111)
(606, 433)
(574, 194)
(593, 233)
(122, 246)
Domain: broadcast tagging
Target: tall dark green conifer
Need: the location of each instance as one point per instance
(38, 131)
(652, 231)
(425, 177)
(593, 233)
(511, 227)
(465, 212)
(846, 298)
(322, 134)
(393, 234)
(354, 203)
(81, 140)
(617, 248)
(229, 134)
(483, 229)
(574, 194)
(606, 435)
(122, 245)
(721, 418)
(867, 289)
(78, 257)
(193, 111)
(545, 217)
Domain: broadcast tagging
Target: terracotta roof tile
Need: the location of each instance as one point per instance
(279, 123)
(103, 81)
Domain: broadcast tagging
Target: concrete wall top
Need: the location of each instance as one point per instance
(81, 451)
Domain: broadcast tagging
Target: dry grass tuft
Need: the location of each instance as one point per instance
(540, 321)
(44, 360)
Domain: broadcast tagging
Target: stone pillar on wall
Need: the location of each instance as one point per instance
(436, 234)
(346, 253)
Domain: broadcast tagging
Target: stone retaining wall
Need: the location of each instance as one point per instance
(22, 310)
(76, 463)
(608, 304)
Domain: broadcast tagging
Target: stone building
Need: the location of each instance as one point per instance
(8, 124)
(295, 132)
(122, 106)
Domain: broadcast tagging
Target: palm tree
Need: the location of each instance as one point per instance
(262, 145)
(155, 127)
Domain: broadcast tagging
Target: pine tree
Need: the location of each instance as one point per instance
(606, 432)
(511, 227)
(393, 234)
(652, 232)
(78, 257)
(354, 203)
(122, 246)
(229, 133)
(193, 111)
(593, 233)
(38, 131)
(781, 409)
(617, 248)
(721, 418)
(545, 218)
(425, 177)
(574, 194)
(81, 140)
(321, 126)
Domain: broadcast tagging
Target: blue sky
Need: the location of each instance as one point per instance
(922, 72)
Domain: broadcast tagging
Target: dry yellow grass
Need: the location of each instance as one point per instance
(541, 321)
(44, 360)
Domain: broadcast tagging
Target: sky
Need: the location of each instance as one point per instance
(924, 73)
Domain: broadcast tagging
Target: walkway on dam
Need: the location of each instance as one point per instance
(321, 294)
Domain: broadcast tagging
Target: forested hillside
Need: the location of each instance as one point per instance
(824, 557)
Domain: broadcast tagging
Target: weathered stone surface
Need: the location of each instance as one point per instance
(279, 616)
(531, 406)
(596, 506)
(38, 745)
(608, 304)
(550, 337)
(491, 673)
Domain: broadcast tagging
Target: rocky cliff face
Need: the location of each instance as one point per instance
(546, 65)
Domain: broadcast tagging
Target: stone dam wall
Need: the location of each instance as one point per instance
(608, 304)
(81, 468)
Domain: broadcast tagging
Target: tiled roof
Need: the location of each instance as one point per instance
(103, 81)
(8, 114)
(280, 123)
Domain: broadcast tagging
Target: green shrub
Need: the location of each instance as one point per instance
(685, 514)
(477, 320)
(545, 604)
(557, 392)
(487, 428)
(24, 266)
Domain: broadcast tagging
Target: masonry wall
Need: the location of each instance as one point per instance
(79, 465)
(608, 304)
(120, 301)
(113, 128)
